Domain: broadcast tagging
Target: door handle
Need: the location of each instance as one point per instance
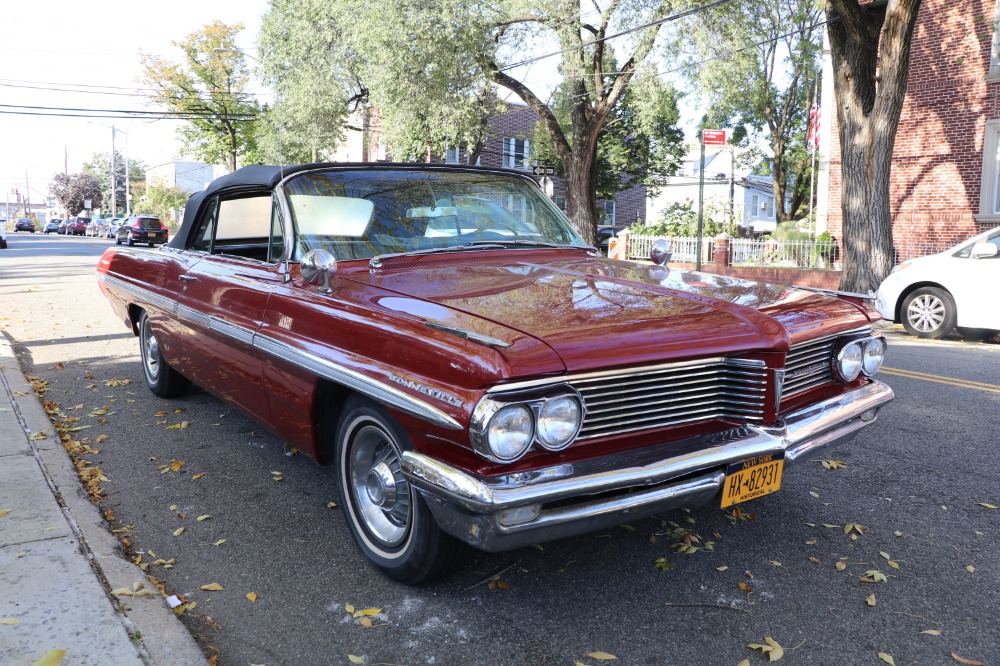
(189, 278)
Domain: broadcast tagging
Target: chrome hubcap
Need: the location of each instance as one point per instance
(926, 313)
(151, 353)
(381, 492)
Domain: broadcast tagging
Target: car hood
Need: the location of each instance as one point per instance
(593, 311)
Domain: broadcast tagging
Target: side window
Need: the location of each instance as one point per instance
(205, 229)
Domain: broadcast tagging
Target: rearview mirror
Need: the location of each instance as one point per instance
(660, 252)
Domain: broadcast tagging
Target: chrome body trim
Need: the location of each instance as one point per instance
(377, 390)
(467, 335)
(579, 497)
(363, 384)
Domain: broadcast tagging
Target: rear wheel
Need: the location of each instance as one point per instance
(388, 518)
(161, 379)
(129, 241)
(929, 312)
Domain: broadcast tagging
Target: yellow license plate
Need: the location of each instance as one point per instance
(151, 234)
(753, 478)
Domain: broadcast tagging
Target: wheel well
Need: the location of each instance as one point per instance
(898, 314)
(134, 313)
(328, 406)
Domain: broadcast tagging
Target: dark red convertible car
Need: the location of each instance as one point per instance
(476, 373)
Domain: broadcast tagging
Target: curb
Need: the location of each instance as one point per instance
(159, 636)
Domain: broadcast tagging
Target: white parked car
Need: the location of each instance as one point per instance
(932, 295)
(3, 235)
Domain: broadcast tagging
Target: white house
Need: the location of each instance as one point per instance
(726, 183)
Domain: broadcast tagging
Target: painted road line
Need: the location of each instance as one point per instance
(950, 381)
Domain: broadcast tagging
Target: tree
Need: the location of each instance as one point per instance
(430, 68)
(640, 143)
(870, 47)
(207, 90)
(755, 62)
(72, 191)
(167, 203)
(99, 166)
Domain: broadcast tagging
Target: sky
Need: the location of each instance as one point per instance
(86, 55)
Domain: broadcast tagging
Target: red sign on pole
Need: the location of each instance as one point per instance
(713, 137)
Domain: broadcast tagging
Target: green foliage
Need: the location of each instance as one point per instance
(681, 219)
(641, 143)
(72, 191)
(164, 202)
(431, 70)
(208, 88)
(99, 166)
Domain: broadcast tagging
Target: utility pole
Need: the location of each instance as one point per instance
(114, 193)
(27, 195)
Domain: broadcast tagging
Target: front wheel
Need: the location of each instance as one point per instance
(929, 312)
(161, 379)
(388, 518)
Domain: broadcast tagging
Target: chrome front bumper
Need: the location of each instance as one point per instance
(501, 513)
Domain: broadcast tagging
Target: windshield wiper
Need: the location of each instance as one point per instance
(526, 243)
(376, 261)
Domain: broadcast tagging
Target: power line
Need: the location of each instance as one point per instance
(132, 113)
(137, 92)
(124, 115)
(672, 17)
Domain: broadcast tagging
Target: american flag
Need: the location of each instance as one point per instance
(812, 136)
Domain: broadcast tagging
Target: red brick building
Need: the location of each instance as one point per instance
(945, 183)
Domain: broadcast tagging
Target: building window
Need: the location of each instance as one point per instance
(516, 152)
(561, 203)
(608, 212)
(989, 197)
(451, 156)
(754, 206)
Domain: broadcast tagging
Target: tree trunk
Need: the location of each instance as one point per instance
(581, 188)
(870, 46)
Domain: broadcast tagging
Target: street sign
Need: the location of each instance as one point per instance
(539, 170)
(713, 137)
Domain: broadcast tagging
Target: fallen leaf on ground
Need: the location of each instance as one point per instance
(4, 512)
(212, 587)
(179, 531)
(770, 647)
(35, 436)
(176, 465)
(51, 658)
(988, 506)
(354, 659)
(9, 620)
(252, 596)
(833, 464)
(840, 565)
(743, 586)
(870, 600)
(204, 517)
(970, 569)
(197, 476)
(887, 658)
(601, 656)
(220, 542)
(932, 632)
(873, 576)
(967, 662)
(367, 612)
(366, 622)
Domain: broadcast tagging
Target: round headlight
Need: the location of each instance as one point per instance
(558, 422)
(848, 364)
(509, 432)
(874, 356)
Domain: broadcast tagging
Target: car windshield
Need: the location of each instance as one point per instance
(363, 214)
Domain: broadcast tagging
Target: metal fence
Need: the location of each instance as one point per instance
(770, 252)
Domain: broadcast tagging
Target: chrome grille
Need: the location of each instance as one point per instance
(810, 363)
(676, 394)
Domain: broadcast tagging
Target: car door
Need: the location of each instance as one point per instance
(972, 282)
(224, 295)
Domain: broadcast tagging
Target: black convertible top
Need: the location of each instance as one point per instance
(259, 176)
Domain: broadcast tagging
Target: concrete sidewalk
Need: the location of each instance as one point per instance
(58, 559)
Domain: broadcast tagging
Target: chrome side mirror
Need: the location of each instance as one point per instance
(318, 267)
(660, 252)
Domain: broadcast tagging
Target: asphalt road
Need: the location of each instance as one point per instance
(913, 482)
